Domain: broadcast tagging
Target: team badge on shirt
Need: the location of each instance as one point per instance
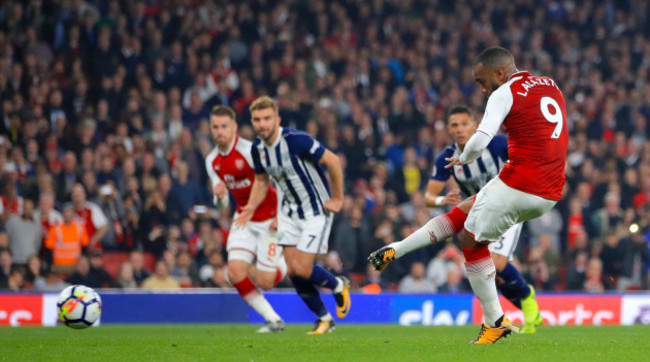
(239, 163)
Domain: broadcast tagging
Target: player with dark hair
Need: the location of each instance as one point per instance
(532, 111)
(471, 178)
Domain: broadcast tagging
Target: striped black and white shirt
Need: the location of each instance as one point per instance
(473, 176)
(293, 163)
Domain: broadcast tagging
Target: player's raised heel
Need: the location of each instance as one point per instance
(382, 257)
(323, 327)
(343, 300)
(272, 327)
(490, 335)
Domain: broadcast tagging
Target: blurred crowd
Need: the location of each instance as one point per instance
(104, 123)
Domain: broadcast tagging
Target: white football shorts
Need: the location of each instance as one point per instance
(255, 241)
(498, 207)
(507, 243)
(309, 235)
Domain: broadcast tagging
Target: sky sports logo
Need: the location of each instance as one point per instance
(438, 310)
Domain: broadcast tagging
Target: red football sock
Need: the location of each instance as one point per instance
(246, 288)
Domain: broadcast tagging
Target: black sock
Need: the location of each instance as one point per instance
(310, 295)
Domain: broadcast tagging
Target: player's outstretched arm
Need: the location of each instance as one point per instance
(432, 197)
(335, 172)
(258, 193)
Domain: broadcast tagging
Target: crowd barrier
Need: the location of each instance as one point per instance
(219, 306)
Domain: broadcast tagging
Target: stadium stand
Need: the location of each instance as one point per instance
(117, 93)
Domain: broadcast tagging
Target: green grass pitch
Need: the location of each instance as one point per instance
(347, 343)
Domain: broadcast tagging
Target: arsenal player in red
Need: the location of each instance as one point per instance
(532, 111)
(230, 167)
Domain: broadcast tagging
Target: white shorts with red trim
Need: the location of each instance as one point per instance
(255, 241)
(498, 207)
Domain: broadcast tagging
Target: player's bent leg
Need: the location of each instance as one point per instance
(237, 270)
(266, 279)
(439, 228)
(271, 267)
(237, 273)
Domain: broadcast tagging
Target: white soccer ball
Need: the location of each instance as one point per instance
(78, 306)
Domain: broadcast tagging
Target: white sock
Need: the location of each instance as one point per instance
(326, 318)
(262, 306)
(438, 228)
(339, 287)
(481, 274)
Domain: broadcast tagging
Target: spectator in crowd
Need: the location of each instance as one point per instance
(82, 274)
(47, 215)
(5, 267)
(634, 272)
(96, 259)
(51, 282)
(454, 283)
(136, 258)
(372, 283)
(612, 257)
(186, 190)
(550, 255)
(416, 281)
(351, 240)
(576, 273)
(66, 240)
(449, 259)
(185, 271)
(126, 277)
(16, 280)
(112, 207)
(538, 271)
(215, 261)
(67, 177)
(610, 217)
(594, 276)
(12, 203)
(34, 269)
(550, 225)
(91, 217)
(161, 278)
(24, 232)
(218, 279)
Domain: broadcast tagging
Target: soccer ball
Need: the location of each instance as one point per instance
(79, 306)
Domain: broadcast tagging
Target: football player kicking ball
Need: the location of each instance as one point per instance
(471, 178)
(230, 167)
(533, 113)
(293, 159)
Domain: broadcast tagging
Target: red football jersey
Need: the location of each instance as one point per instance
(536, 123)
(235, 168)
(92, 217)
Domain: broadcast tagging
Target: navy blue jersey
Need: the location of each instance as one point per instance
(472, 177)
(293, 163)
